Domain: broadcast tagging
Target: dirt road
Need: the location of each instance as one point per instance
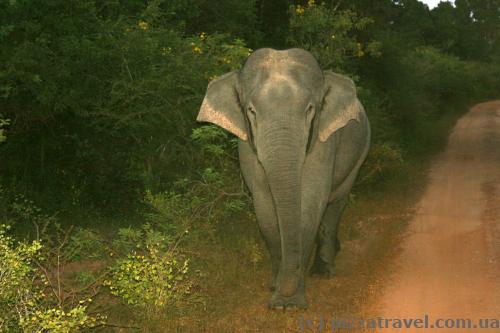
(450, 261)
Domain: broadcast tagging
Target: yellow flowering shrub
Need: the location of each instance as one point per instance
(150, 281)
(228, 55)
(143, 25)
(24, 306)
(197, 49)
(59, 321)
(15, 267)
(330, 34)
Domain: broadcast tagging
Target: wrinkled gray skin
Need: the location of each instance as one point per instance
(303, 137)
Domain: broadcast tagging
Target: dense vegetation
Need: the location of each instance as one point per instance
(97, 126)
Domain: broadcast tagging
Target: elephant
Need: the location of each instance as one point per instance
(302, 137)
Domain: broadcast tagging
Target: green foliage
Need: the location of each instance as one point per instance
(151, 281)
(60, 321)
(428, 83)
(169, 210)
(331, 35)
(384, 159)
(218, 147)
(216, 193)
(215, 197)
(113, 119)
(242, 21)
(30, 299)
(144, 268)
(15, 271)
(86, 278)
(3, 123)
(150, 273)
(24, 305)
(404, 84)
(85, 244)
(138, 239)
(134, 82)
(25, 209)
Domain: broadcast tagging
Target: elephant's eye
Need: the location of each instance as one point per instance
(251, 109)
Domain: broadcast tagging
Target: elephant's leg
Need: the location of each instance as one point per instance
(267, 219)
(268, 225)
(328, 243)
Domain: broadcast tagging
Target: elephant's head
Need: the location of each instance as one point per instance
(284, 105)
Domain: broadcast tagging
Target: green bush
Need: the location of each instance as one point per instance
(429, 84)
(131, 239)
(86, 244)
(384, 160)
(153, 276)
(331, 35)
(24, 304)
(133, 82)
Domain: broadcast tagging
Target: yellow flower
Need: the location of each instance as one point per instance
(143, 25)
(203, 36)
(333, 36)
(166, 50)
(211, 78)
(299, 10)
(196, 49)
(311, 3)
(360, 52)
(226, 60)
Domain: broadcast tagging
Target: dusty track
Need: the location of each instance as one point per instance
(450, 261)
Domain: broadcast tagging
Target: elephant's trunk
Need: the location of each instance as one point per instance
(282, 161)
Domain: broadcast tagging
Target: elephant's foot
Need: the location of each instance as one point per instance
(324, 261)
(324, 270)
(279, 302)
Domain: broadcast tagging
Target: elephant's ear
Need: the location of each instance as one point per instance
(221, 106)
(340, 104)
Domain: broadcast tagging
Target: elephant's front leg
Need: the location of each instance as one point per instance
(268, 225)
(256, 181)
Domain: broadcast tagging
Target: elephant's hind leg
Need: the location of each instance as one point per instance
(328, 243)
